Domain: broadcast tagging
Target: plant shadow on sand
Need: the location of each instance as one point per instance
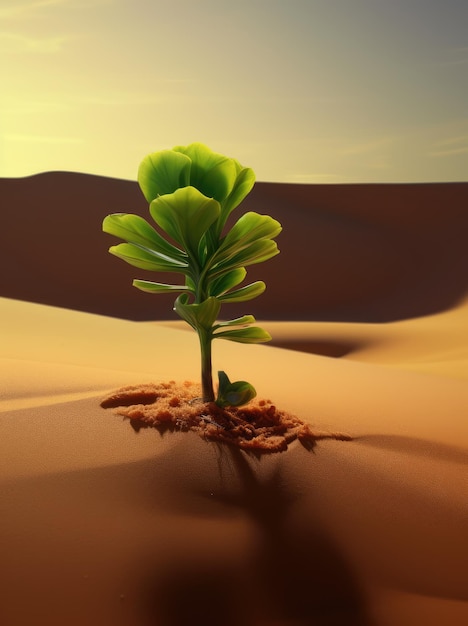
(293, 573)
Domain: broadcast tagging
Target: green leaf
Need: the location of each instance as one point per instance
(185, 216)
(251, 227)
(211, 173)
(256, 252)
(251, 334)
(190, 283)
(147, 259)
(225, 282)
(163, 172)
(243, 185)
(249, 292)
(233, 394)
(201, 315)
(238, 321)
(151, 287)
(135, 229)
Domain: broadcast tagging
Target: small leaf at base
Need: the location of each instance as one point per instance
(233, 394)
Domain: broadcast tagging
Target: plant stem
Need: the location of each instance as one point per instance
(206, 367)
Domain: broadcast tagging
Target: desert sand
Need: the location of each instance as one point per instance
(101, 525)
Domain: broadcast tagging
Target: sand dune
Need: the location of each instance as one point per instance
(436, 344)
(100, 525)
(366, 253)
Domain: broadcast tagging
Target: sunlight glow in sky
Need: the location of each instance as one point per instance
(323, 91)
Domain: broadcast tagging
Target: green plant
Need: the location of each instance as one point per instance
(191, 192)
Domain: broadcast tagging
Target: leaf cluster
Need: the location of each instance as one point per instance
(191, 192)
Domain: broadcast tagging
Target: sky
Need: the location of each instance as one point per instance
(303, 91)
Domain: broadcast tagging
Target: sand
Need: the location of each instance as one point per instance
(102, 525)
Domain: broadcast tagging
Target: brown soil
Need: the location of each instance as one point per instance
(259, 426)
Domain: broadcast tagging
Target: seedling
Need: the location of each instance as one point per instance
(191, 192)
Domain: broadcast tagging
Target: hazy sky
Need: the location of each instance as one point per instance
(299, 90)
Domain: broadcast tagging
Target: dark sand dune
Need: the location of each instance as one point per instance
(372, 253)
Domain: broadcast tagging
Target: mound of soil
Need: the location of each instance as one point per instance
(259, 426)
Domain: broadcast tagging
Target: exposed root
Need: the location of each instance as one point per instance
(259, 426)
